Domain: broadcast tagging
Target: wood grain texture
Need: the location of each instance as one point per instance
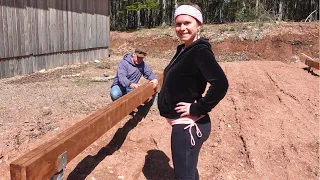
(53, 30)
(41, 163)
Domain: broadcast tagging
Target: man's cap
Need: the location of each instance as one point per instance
(140, 52)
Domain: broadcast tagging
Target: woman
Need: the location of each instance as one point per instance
(184, 81)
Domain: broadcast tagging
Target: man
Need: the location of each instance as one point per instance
(129, 72)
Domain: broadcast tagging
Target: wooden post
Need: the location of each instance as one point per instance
(50, 157)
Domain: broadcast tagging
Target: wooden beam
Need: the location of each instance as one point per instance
(309, 61)
(42, 162)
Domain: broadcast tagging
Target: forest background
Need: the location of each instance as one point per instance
(132, 14)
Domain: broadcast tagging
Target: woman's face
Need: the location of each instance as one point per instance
(186, 28)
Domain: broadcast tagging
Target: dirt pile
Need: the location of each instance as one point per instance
(232, 42)
(267, 127)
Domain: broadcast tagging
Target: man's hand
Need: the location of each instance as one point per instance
(155, 83)
(134, 86)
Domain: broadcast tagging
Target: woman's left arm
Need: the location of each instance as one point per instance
(212, 72)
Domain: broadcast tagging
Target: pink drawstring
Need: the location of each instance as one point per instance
(190, 121)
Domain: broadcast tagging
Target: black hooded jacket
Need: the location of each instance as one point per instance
(186, 77)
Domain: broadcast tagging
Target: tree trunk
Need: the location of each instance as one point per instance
(257, 7)
(138, 19)
(163, 18)
(280, 12)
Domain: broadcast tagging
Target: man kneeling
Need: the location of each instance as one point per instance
(129, 72)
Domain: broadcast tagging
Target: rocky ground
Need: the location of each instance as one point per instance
(267, 126)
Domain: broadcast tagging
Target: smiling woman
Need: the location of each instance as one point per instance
(184, 81)
(188, 21)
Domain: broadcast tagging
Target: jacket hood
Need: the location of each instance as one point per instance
(128, 58)
(201, 41)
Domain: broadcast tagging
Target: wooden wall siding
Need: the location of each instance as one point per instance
(30, 64)
(38, 34)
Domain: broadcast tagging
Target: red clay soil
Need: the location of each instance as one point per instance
(267, 126)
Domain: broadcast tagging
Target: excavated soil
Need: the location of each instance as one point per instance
(267, 126)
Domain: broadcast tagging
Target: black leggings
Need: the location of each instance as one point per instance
(184, 155)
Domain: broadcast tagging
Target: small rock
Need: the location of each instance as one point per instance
(46, 111)
(102, 79)
(229, 126)
(71, 75)
(97, 61)
(215, 144)
(120, 177)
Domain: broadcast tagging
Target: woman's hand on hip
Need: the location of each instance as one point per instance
(184, 108)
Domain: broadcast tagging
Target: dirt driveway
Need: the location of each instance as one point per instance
(267, 126)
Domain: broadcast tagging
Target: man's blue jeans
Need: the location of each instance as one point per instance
(117, 91)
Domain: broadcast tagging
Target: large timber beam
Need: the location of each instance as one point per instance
(310, 62)
(46, 160)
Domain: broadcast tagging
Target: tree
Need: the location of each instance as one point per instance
(138, 6)
(163, 17)
(150, 13)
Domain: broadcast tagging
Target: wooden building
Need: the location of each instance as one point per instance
(42, 34)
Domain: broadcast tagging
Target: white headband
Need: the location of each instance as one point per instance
(189, 10)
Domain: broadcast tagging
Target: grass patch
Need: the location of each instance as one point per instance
(225, 29)
(103, 65)
(232, 58)
(3, 107)
(81, 82)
